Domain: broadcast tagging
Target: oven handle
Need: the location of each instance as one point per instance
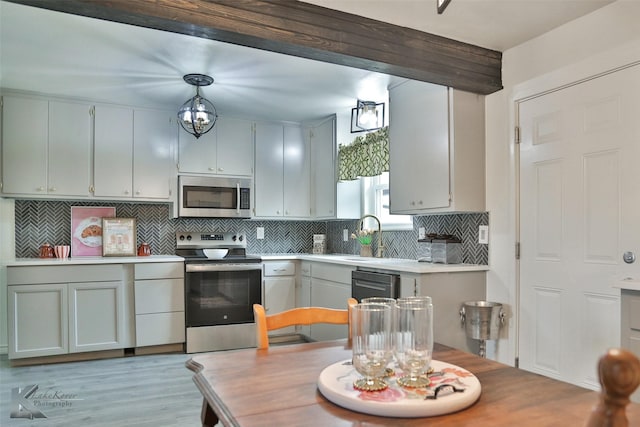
(222, 267)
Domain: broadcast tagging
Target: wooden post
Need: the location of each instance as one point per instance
(619, 373)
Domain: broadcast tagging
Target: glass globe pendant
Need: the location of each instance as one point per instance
(198, 115)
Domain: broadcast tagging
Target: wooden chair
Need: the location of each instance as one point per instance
(298, 316)
(619, 374)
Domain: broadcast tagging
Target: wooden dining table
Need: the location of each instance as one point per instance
(278, 387)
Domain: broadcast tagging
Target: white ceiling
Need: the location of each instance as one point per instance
(60, 54)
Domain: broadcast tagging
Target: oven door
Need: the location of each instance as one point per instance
(221, 294)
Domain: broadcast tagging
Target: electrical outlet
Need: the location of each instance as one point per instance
(483, 234)
(422, 233)
(345, 235)
(259, 233)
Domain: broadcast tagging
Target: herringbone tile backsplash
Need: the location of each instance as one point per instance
(39, 222)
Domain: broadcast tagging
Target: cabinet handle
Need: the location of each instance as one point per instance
(52, 189)
(126, 191)
(278, 212)
(420, 202)
(137, 192)
(40, 189)
(220, 169)
(212, 169)
(413, 203)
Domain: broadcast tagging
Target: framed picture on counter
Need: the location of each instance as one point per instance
(86, 229)
(119, 237)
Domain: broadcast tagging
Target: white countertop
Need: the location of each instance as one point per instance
(628, 284)
(391, 264)
(23, 262)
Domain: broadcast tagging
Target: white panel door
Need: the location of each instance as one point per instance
(579, 210)
(279, 295)
(198, 155)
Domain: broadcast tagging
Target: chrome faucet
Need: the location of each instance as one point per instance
(380, 244)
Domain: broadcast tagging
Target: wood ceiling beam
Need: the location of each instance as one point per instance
(308, 31)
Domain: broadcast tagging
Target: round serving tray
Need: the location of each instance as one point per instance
(336, 384)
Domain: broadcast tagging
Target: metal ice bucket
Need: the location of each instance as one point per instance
(482, 319)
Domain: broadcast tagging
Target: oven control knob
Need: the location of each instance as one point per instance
(189, 237)
(241, 237)
(181, 237)
(234, 238)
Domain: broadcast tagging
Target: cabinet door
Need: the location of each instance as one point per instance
(304, 300)
(24, 145)
(296, 188)
(38, 320)
(69, 149)
(323, 187)
(235, 147)
(113, 151)
(419, 147)
(269, 170)
(96, 316)
(154, 139)
(329, 294)
(198, 155)
(280, 295)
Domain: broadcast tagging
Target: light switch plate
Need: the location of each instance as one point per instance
(259, 233)
(483, 234)
(345, 235)
(422, 233)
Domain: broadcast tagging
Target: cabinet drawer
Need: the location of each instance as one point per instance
(333, 273)
(63, 274)
(159, 328)
(284, 268)
(159, 270)
(634, 312)
(159, 296)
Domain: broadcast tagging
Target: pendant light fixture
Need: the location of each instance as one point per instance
(198, 115)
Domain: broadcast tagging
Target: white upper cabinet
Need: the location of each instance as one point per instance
(296, 173)
(322, 139)
(134, 153)
(235, 146)
(154, 136)
(269, 170)
(113, 165)
(38, 155)
(436, 138)
(282, 175)
(227, 149)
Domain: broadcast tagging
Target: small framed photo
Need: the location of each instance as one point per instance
(118, 237)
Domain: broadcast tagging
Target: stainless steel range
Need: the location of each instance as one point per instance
(220, 290)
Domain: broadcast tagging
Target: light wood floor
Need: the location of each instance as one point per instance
(149, 391)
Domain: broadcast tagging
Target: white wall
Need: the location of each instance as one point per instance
(601, 41)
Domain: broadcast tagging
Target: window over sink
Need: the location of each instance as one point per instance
(375, 201)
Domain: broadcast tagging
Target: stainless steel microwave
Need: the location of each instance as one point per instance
(214, 197)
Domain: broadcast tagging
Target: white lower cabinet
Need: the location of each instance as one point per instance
(279, 289)
(96, 316)
(159, 303)
(331, 288)
(56, 310)
(38, 319)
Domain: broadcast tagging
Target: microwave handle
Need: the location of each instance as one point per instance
(237, 197)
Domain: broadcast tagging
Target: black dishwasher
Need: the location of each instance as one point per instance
(365, 284)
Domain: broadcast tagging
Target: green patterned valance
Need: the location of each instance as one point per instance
(367, 155)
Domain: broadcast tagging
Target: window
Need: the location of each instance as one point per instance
(375, 192)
